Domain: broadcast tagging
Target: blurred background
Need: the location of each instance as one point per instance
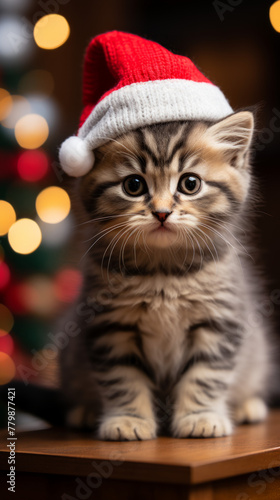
(235, 43)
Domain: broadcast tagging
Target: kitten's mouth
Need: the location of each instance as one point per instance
(162, 228)
(162, 235)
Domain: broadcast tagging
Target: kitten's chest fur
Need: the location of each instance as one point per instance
(163, 324)
(164, 308)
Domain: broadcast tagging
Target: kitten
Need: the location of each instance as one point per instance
(165, 341)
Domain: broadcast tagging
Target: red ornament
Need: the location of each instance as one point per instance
(32, 166)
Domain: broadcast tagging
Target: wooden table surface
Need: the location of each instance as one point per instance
(56, 451)
(182, 460)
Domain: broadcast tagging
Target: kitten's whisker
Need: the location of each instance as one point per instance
(223, 226)
(232, 235)
(111, 243)
(103, 218)
(134, 246)
(218, 234)
(227, 242)
(124, 245)
(210, 240)
(181, 231)
(206, 244)
(102, 236)
(117, 237)
(121, 236)
(115, 226)
(146, 246)
(222, 223)
(114, 242)
(121, 259)
(200, 251)
(188, 235)
(193, 250)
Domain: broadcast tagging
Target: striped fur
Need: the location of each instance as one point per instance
(167, 343)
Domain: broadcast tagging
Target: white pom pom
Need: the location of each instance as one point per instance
(75, 157)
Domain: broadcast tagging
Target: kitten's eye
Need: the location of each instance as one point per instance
(189, 184)
(135, 185)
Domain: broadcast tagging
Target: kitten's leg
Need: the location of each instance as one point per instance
(127, 405)
(200, 408)
(252, 410)
(116, 396)
(255, 374)
(125, 385)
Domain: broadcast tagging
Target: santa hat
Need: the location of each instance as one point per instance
(130, 82)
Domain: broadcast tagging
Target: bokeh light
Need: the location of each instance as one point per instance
(51, 31)
(6, 343)
(6, 319)
(5, 275)
(15, 298)
(6, 103)
(55, 235)
(68, 283)
(53, 204)
(274, 15)
(15, 46)
(39, 296)
(46, 107)
(7, 368)
(37, 81)
(25, 236)
(32, 166)
(31, 131)
(7, 217)
(20, 107)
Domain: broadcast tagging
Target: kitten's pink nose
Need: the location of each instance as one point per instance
(162, 216)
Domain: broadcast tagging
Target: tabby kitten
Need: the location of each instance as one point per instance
(165, 342)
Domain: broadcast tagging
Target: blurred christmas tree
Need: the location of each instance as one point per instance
(34, 212)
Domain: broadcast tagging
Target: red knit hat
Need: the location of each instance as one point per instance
(130, 82)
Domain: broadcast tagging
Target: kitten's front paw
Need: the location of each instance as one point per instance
(126, 428)
(251, 411)
(206, 424)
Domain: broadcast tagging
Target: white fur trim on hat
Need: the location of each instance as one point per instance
(158, 101)
(76, 156)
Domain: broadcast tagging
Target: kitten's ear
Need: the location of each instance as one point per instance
(234, 135)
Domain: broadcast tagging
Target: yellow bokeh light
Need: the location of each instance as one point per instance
(31, 131)
(7, 217)
(274, 15)
(6, 103)
(6, 319)
(7, 368)
(25, 236)
(53, 205)
(51, 31)
(19, 107)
